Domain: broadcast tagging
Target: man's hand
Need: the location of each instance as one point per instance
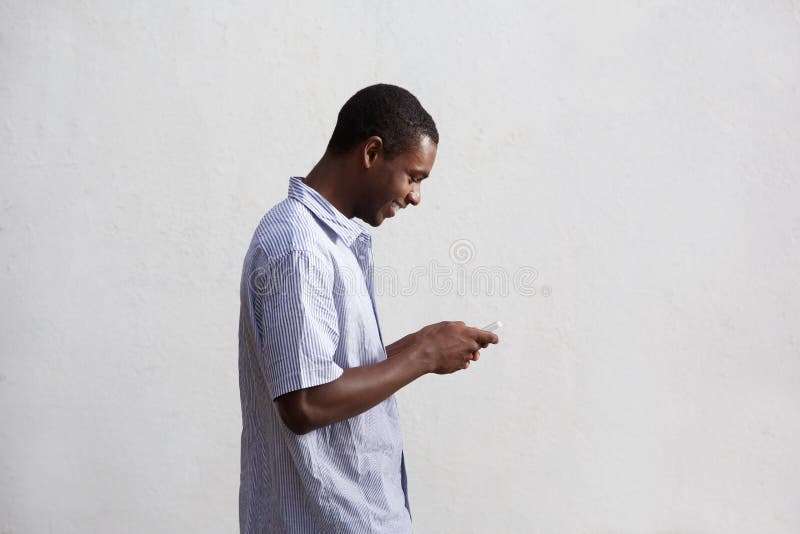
(449, 346)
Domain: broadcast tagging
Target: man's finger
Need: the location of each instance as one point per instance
(484, 336)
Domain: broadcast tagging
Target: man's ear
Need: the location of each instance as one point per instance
(373, 150)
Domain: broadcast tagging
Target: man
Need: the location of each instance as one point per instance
(321, 444)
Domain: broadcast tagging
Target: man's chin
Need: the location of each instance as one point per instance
(376, 220)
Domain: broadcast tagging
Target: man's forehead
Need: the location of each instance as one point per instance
(423, 153)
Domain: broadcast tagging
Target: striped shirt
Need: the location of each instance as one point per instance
(307, 313)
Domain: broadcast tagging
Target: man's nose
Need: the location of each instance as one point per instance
(414, 196)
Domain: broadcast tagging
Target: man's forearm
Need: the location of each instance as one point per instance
(357, 390)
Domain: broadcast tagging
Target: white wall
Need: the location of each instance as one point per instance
(642, 157)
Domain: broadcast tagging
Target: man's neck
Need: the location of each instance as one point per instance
(331, 178)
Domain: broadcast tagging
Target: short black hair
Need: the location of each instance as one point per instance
(388, 111)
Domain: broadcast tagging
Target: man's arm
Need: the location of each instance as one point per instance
(440, 348)
(357, 390)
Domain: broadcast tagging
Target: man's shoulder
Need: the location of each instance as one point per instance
(290, 227)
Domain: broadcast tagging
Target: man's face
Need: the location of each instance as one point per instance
(393, 184)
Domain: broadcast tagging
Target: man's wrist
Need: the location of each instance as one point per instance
(418, 359)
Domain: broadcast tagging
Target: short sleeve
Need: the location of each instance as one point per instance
(299, 329)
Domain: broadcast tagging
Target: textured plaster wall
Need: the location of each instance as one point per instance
(638, 162)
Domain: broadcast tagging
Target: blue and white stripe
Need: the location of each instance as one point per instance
(308, 312)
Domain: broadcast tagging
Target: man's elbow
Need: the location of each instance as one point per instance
(298, 425)
(295, 413)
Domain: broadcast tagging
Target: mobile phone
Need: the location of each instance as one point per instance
(493, 326)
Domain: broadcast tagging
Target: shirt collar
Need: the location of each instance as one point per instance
(348, 229)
